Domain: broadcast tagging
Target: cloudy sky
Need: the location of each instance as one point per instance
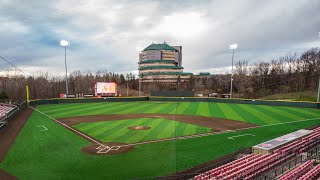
(107, 35)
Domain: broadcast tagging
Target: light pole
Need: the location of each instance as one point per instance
(65, 43)
(318, 83)
(233, 47)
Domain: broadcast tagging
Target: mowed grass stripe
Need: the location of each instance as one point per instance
(138, 109)
(168, 109)
(88, 126)
(167, 128)
(179, 108)
(156, 108)
(79, 111)
(103, 128)
(113, 130)
(181, 129)
(246, 115)
(306, 111)
(284, 115)
(77, 106)
(115, 109)
(58, 107)
(135, 135)
(302, 114)
(229, 113)
(215, 110)
(203, 109)
(123, 134)
(190, 129)
(149, 135)
(191, 109)
(156, 130)
(258, 114)
(279, 118)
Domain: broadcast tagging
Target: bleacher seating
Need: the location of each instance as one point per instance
(299, 171)
(5, 109)
(312, 174)
(252, 165)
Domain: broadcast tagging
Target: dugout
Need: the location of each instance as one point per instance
(270, 146)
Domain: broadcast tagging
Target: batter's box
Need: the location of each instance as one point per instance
(102, 147)
(106, 149)
(115, 148)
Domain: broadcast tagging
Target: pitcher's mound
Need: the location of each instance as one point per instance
(110, 148)
(139, 127)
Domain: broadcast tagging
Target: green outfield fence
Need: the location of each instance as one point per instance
(179, 99)
(86, 100)
(240, 101)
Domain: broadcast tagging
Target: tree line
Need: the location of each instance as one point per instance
(290, 73)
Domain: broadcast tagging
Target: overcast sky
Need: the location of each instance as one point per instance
(107, 35)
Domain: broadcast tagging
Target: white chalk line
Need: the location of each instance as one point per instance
(174, 138)
(241, 135)
(44, 128)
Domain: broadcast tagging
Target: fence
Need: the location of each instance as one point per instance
(86, 100)
(178, 99)
(239, 101)
(173, 93)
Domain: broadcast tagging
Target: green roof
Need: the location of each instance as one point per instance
(160, 67)
(163, 46)
(168, 73)
(157, 61)
(204, 74)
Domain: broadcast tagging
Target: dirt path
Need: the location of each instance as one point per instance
(6, 176)
(217, 124)
(9, 133)
(8, 136)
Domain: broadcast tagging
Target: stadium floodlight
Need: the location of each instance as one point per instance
(65, 43)
(232, 47)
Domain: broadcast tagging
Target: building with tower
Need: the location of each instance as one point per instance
(162, 63)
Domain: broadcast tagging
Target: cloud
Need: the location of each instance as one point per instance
(106, 35)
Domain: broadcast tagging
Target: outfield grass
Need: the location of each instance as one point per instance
(55, 154)
(117, 131)
(256, 114)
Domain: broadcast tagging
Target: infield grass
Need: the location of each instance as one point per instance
(117, 131)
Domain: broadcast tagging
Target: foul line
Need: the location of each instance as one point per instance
(232, 137)
(72, 129)
(169, 139)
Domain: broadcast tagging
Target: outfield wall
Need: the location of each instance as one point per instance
(240, 101)
(85, 100)
(178, 99)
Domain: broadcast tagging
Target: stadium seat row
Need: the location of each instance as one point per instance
(4, 109)
(252, 165)
(311, 174)
(299, 171)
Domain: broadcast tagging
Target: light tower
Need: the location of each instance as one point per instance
(65, 43)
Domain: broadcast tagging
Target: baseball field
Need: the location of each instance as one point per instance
(147, 138)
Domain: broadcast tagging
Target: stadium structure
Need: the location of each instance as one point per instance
(162, 63)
